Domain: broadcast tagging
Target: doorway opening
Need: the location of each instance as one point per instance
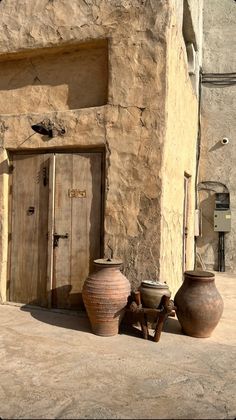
(56, 226)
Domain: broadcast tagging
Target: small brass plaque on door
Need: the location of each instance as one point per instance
(75, 193)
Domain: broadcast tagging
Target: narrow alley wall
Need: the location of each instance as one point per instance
(179, 160)
(218, 108)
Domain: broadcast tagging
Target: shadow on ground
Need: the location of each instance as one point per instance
(73, 320)
(75, 317)
(172, 326)
(60, 318)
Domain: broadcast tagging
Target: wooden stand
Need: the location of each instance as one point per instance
(167, 308)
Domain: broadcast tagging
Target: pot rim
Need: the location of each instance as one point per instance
(108, 262)
(199, 276)
(196, 273)
(154, 284)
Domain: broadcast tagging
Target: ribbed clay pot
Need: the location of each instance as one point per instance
(152, 292)
(105, 293)
(199, 305)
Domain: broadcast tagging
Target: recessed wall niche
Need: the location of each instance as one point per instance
(54, 79)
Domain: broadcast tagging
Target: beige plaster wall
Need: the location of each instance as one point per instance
(217, 164)
(218, 107)
(130, 128)
(219, 51)
(179, 158)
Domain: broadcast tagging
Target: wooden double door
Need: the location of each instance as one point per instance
(55, 228)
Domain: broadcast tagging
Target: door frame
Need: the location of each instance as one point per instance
(187, 181)
(51, 151)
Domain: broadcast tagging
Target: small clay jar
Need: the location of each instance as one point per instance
(199, 305)
(105, 294)
(152, 292)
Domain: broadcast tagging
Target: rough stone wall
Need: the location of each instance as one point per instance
(218, 107)
(147, 127)
(178, 159)
(130, 127)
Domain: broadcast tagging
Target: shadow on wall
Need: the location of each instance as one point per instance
(217, 146)
(55, 81)
(208, 242)
(4, 167)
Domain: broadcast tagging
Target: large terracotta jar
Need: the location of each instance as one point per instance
(105, 293)
(199, 305)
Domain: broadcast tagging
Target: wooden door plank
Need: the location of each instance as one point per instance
(78, 213)
(80, 221)
(62, 225)
(51, 215)
(28, 266)
(86, 220)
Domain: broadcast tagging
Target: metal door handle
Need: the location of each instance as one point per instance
(56, 238)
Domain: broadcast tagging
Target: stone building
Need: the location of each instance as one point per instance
(217, 170)
(99, 130)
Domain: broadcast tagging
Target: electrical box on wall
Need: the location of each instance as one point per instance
(222, 220)
(222, 201)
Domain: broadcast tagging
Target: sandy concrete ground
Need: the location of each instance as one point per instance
(52, 366)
